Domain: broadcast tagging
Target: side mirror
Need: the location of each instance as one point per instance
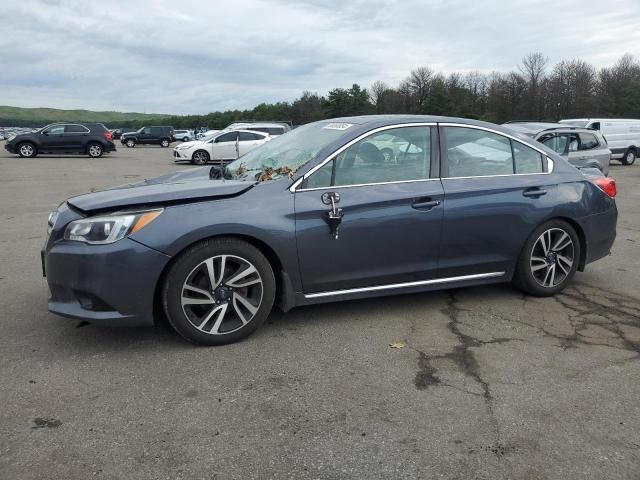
(215, 173)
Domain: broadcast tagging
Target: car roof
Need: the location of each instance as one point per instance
(534, 128)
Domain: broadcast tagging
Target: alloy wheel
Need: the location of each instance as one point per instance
(95, 150)
(26, 150)
(130, 143)
(552, 257)
(200, 158)
(164, 143)
(222, 294)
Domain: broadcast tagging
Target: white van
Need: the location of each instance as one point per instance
(622, 135)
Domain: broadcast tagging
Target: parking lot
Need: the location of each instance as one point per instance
(485, 383)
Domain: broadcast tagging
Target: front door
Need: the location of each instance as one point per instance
(389, 210)
(496, 192)
(52, 139)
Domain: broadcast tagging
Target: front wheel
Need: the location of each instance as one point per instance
(130, 143)
(549, 259)
(219, 291)
(164, 143)
(629, 157)
(95, 150)
(200, 157)
(27, 150)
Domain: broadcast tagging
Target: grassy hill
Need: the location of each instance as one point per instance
(34, 117)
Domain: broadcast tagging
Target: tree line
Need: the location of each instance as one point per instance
(535, 90)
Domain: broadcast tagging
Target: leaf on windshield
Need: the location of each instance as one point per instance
(267, 173)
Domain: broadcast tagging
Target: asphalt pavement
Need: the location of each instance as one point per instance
(487, 383)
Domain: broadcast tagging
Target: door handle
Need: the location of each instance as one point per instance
(534, 192)
(425, 204)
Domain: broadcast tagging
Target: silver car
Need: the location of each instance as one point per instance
(582, 147)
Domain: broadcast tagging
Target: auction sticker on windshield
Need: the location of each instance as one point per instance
(338, 126)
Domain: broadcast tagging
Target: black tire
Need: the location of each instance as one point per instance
(95, 150)
(130, 142)
(164, 143)
(27, 150)
(532, 282)
(188, 269)
(200, 157)
(185, 139)
(629, 157)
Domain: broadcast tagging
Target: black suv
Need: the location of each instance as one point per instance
(92, 139)
(162, 136)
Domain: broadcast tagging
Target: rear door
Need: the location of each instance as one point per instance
(154, 135)
(75, 137)
(496, 192)
(247, 141)
(388, 216)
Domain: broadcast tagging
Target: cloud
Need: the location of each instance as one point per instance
(197, 57)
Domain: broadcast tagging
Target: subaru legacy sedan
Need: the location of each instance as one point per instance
(322, 214)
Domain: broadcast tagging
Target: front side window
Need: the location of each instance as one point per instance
(472, 152)
(55, 130)
(588, 141)
(146, 131)
(394, 155)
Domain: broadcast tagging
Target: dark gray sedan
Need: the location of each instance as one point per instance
(334, 210)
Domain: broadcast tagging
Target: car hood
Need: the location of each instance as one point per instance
(183, 186)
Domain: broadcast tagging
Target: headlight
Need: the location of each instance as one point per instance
(108, 228)
(51, 222)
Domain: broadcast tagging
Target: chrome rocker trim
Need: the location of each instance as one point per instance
(435, 281)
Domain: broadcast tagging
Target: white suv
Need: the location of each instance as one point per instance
(224, 146)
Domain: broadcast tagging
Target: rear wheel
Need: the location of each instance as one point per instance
(200, 157)
(219, 291)
(164, 143)
(549, 259)
(629, 157)
(130, 143)
(27, 150)
(95, 150)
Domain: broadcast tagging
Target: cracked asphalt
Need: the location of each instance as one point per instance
(490, 384)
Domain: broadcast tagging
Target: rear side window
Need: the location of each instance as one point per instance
(526, 159)
(75, 129)
(249, 137)
(588, 141)
(156, 131)
(471, 152)
(227, 137)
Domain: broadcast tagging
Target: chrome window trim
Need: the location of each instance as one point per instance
(366, 184)
(404, 285)
(301, 179)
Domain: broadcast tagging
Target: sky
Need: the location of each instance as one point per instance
(194, 57)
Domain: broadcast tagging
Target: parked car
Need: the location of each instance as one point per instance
(184, 135)
(272, 128)
(223, 146)
(162, 136)
(319, 215)
(92, 139)
(583, 147)
(623, 135)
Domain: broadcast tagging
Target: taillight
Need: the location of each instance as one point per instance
(607, 185)
(108, 136)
